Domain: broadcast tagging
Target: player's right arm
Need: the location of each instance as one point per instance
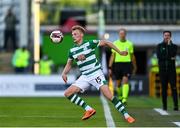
(67, 68)
(111, 45)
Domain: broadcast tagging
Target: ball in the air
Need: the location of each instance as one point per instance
(56, 36)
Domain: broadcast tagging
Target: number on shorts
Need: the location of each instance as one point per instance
(98, 80)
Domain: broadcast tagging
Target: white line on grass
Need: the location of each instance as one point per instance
(177, 123)
(162, 112)
(109, 120)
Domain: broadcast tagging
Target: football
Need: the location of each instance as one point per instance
(56, 36)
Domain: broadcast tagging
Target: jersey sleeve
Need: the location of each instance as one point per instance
(70, 56)
(131, 48)
(94, 43)
(113, 51)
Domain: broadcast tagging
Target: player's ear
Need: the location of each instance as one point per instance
(82, 34)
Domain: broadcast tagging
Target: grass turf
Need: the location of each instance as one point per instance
(59, 112)
(141, 108)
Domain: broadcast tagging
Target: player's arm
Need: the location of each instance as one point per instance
(111, 60)
(67, 68)
(133, 59)
(111, 45)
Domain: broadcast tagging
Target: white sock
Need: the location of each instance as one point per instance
(126, 115)
(88, 108)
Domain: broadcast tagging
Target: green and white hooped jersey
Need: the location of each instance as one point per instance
(87, 48)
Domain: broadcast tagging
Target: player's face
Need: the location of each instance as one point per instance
(122, 35)
(77, 36)
(167, 36)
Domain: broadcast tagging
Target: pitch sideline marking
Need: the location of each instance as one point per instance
(107, 113)
(162, 112)
(177, 123)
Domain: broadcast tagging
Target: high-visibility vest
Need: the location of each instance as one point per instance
(45, 67)
(21, 58)
(154, 65)
(123, 46)
(178, 64)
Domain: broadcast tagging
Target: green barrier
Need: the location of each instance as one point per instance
(59, 52)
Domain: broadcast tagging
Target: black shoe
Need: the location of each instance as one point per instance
(165, 108)
(176, 109)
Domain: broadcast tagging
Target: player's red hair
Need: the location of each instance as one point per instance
(78, 27)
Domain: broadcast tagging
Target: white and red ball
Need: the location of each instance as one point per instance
(56, 36)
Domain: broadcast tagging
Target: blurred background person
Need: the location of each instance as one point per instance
(178, 64)
(10, 31)
(122, 66)
(20, 60)
(46, 65)
(153, 63)
(166, 54)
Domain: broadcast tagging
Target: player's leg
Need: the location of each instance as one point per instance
(6, 38)
(164, 85)
(98, 80)
(126, 74)
(111, 85)
(125, 89)
(117, 73)
(172, 80)
(13, 37)
(119, 89)
(71, 93)
(117, 103)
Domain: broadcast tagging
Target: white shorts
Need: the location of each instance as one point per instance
(96, 79)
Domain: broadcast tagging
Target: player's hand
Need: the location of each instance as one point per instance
(64, 77)
(123, 53)
(81, 57)
(169, 41)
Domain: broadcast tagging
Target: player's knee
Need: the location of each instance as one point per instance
(71, 90)
(67, 93)
(109, 97)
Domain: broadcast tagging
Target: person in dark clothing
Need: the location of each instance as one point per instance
(166, 54)
(10, 33)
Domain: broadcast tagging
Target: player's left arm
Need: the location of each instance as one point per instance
(133, 59)
(111, 61)
(111, 45)
(66, 70)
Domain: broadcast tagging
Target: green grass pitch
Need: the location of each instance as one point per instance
(59, 112)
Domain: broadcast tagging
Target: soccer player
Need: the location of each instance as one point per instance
(122, 65)
(83, 53)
